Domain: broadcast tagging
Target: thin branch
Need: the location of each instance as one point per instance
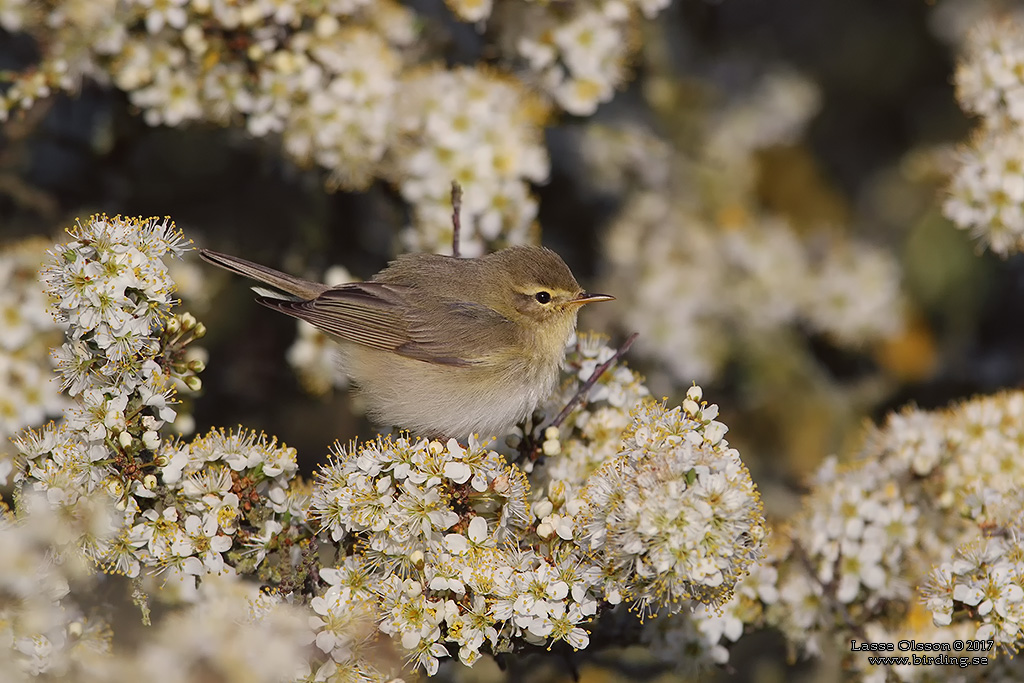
(14, 157)
(529, 446)
(592, 380)
(828, 591)
(570, 664)
(456, 216)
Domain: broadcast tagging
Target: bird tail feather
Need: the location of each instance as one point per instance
(296, 287)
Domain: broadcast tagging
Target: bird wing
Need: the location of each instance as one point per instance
(455, 333)
(395, 318)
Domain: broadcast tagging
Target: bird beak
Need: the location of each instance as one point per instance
(587, 298)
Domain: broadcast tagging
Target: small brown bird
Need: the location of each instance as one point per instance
(442, 346)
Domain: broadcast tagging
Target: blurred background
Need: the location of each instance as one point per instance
(761, 190)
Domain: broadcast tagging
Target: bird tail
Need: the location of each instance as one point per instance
(296, 287)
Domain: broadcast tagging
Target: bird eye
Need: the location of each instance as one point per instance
(543, 297)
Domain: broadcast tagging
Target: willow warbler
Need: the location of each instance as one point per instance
(442, 346)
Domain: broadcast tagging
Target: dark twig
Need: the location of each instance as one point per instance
(570, 663)
(829, 590)
(592, 380)
(14, 157)
(529, 446)
(456, 216)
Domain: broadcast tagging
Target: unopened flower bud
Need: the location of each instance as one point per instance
(417, 559)
(412, 588)
(193, 38)
(691, 408)
(250, 13)
(188, 321)
(551, 433)
(125, 439)
(199, 332)
(545, 530)
(326, 26)
(173, 326)
(193, 383)
(196, 366)
(151, 439)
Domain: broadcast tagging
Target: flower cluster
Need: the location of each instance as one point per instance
(693, 641)
(56, 626)
(404, 551)
(28, 395)
(590, 436)
(348, 86)
(857, 558)
(140, 504)
(674, 517)
(577, 52)
(983, 583)
(666, 258)
(403, 494)
(483, 130)
(111, 286)
(217, 505)
(440, 528)
(181, 506)
(987, 189)
(709, 275)
(125, 355)
(239, 490)
(456, 555)
(46, 631)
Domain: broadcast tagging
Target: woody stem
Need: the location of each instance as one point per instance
(456, 216)
(592, 380)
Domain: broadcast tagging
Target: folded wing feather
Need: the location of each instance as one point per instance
(396, 319)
